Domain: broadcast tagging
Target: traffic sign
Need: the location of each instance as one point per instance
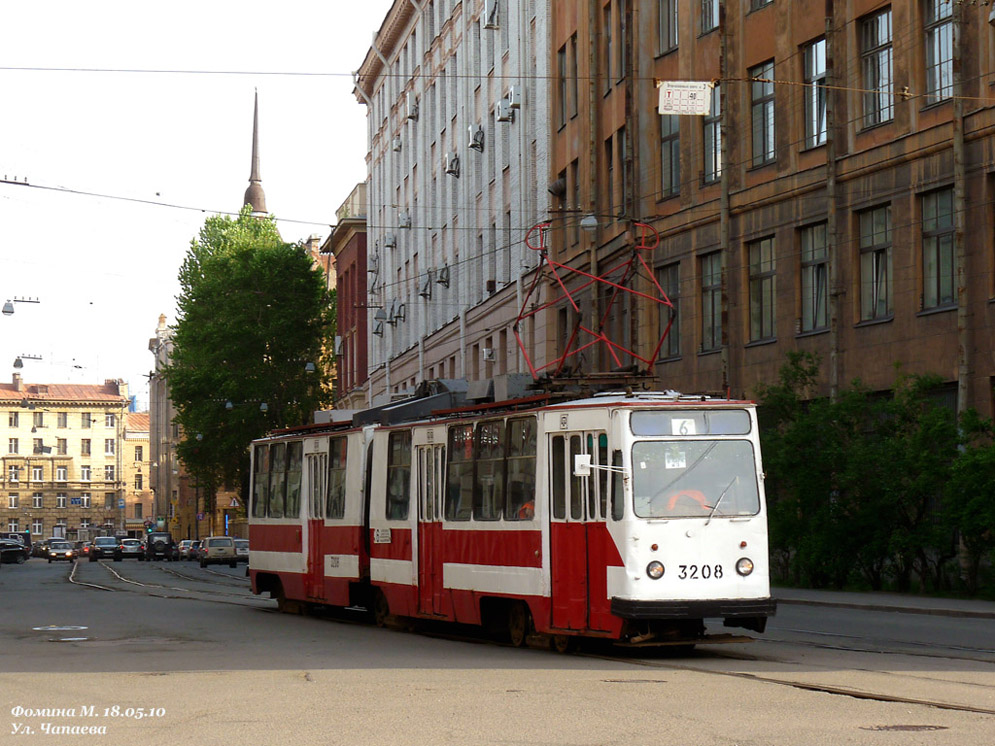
(689, 97)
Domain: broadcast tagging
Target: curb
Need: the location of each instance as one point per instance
(963, 613)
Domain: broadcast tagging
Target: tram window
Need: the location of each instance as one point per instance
(459, 473)
(618, 496)
(488, 494)
(592, 493)
(603, 475)
(691, 422)
(295, 453)
(558, 477)
(277, 479)
(260, 481)
(576, 499)
(338, 447)
(398, 474)
(521, 469)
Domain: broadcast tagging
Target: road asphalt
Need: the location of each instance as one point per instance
(898, 602)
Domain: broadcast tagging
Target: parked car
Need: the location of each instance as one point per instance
(61, 550)
(11, 551)
(130, 549)
(242, 550)
(103, 547)
(218, 549)
(160, 545)
(194, 552)
(23, 538)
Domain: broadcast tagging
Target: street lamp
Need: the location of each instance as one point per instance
(589, 223)
(8, 307)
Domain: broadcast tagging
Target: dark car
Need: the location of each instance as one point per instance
(103, 547)
(159, 545)
(61, 550)
(23, 538)
(11, 551)
(132, 548)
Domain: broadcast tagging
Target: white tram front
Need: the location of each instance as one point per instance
(627, 517)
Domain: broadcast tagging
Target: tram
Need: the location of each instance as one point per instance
(631, 517)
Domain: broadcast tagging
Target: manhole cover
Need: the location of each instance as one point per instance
(905, 728)
(58, 628)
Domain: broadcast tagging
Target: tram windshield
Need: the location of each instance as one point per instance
(694, 479)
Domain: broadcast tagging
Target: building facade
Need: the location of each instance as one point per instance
(836, 198)
(347, 246)
(63, 459)
(139, 505)
(456, 98)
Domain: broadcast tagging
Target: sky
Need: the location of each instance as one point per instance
(123, 165)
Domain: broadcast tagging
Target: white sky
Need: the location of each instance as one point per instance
(104, 269)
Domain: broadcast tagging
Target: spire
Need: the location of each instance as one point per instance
(254, 195)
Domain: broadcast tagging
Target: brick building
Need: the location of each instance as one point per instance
(63, 458)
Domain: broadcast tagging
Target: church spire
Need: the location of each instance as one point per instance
(254, 195)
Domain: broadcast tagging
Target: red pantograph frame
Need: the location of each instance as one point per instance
(629, 269)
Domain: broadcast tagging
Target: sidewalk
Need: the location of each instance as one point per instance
(908, 604)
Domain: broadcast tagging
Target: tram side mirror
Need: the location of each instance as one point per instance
(582, 465)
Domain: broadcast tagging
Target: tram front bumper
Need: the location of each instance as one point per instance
(728, 609)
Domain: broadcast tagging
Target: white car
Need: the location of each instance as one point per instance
(242, 550)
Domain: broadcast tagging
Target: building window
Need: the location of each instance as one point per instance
(939, 29)
(139, 453)
(110, 419)
(37, 473)
(14, 474)
(138, 510)
(60, 500)
(762, 112)
(666, 37)
(815, 93)
(138, 481)
(561, 87)
(13, 525)
(13, 501)
(37, 501)
(709, 15)
(669, 279)
(938, 258)
(108, 473)
(572, 80)
(606, 32)
(61, 446)
(757, 4)
(37, 528)
(712, 139)
(12, 445)
(61, 473)
(875, 263)
(84, 525)
(84, 473)
(670, 155)
(763, 310)
(13, 419)
(711, 301)
(84, 447)
(38, 419)
(108, 446)
(62, 419)
(875, 62)
(108, 501)
(815, 278)
(610, 175)
(85, 420)
(85, 499)
(37, 444)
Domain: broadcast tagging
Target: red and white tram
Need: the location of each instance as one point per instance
(630, 517)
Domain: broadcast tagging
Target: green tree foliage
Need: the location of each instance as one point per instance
(970, 497)
(855, 484)
(253, 311)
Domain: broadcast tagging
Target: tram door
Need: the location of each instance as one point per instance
(431, 461)
(576, 525)
(317, 469)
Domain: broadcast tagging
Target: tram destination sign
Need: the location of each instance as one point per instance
(688, 97)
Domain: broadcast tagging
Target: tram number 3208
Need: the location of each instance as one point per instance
(704, 572)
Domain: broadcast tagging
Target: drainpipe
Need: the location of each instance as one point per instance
(724, 212)
(963, 332)
(832, 216)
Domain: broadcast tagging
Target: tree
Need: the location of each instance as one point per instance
(253, 312)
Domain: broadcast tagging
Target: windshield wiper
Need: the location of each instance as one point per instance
(716, 506)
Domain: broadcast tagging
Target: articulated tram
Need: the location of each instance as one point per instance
(628, 517)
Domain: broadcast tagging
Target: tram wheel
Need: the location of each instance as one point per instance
(381, 609)
(519, 623)
(563, 643)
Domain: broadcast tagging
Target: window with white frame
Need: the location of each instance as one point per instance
(37, 500)
(13, 446)
(139, 452)
(138, 510)
(814, 278)
(13, 419)
(37, 527)
(13, 525)
(709, 15)
(762, 112)
(815, 93)
(84, 525)
(37, 473)
(13, 501)
(61, 473)
(84, 473)
(85, 499)
(938, 256)
(38, 419)
(138, 481)
(763, 292)
(939, 28)
(108, 473)
(109, 446)
(60, 500)
(875, 65)
(875, 264)
(14, 473)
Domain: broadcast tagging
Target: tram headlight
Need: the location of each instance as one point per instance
(744, 566)
(655, 570)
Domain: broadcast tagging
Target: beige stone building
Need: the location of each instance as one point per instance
(139, 505)
(63, 450)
